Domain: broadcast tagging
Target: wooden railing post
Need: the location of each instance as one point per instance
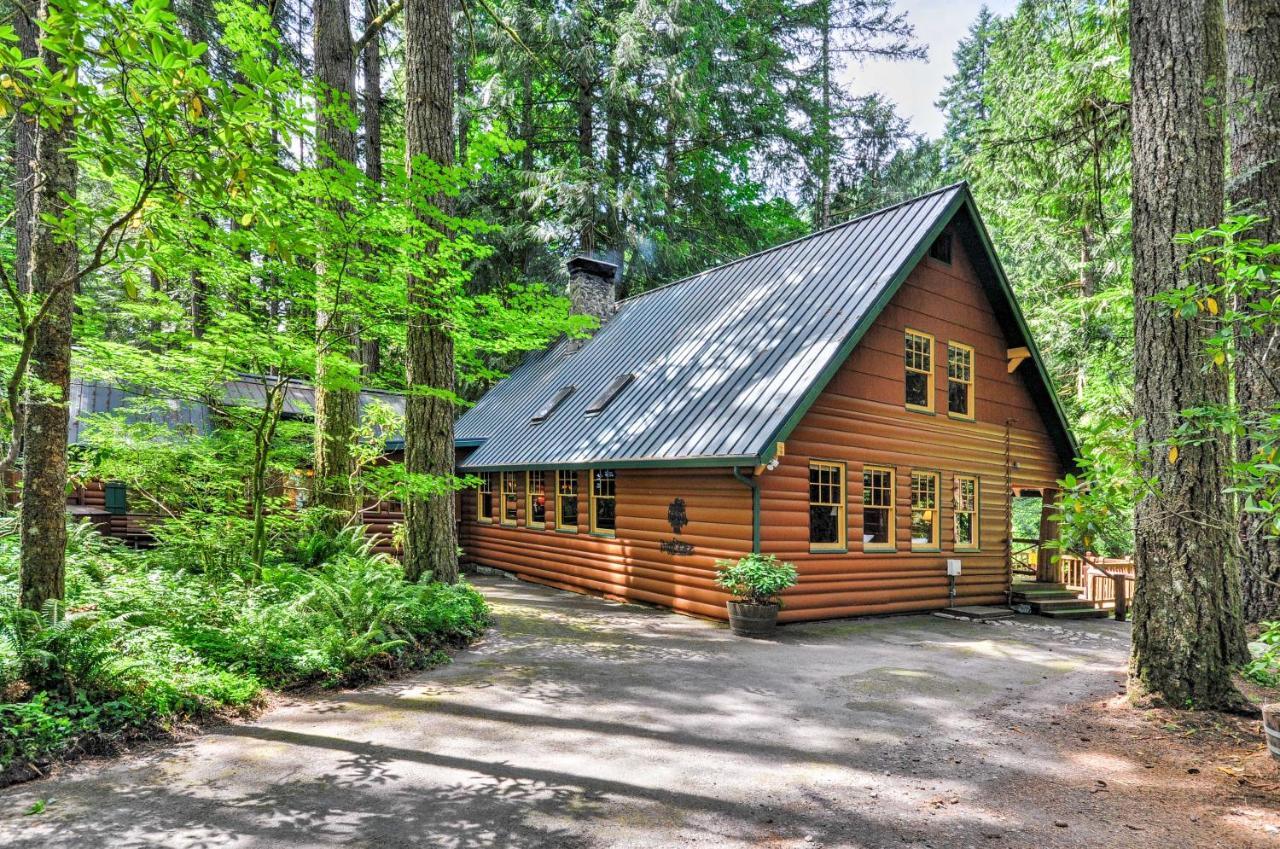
(1121, 585)
(1046, 570)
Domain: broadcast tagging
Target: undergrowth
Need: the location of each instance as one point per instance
(149, 640)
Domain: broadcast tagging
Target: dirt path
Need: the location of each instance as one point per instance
(581, 723)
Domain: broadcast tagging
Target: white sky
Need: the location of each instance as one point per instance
(913, 86)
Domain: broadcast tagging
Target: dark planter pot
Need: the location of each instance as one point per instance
(753, 620)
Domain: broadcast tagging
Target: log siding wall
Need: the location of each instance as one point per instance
(859, 419)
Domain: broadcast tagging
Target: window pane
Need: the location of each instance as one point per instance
(958, 398)
(964, 529)
(824, 524)
(875, 525)
(486, 505)
(569, 510)
(922, 527)
(605, 514)
(917, 389)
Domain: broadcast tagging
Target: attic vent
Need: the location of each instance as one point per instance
(941, 248)
(610, 392)
(550, 407)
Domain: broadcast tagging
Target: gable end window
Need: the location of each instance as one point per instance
(535, 487)
(486, 498)
(604, 514)
(941, 248)
(959, 380)
(826, 506)
(510, 499)
(924, 511)
(966, 512)
(877, 508)
(919, 371)
(567, 501)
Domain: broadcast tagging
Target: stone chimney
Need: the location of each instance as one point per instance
(592, 287)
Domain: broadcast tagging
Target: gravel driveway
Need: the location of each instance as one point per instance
(582, 723)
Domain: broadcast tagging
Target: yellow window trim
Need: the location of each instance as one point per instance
(528, 499)
(933, 367)
(973, 379)
(936, 545)
(842, 525)
(502, 499)
(976, 545)
(573, 475)
(487, 478)
(591, 482)
(892, 544)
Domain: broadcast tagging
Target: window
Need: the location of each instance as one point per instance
(924, 511)
(610, 392)
(941, 248)
(826, 506)
(877, 509)
(510, 498)
(960, 380)
(919, 364)
(567, 501)
(603, 502)
(966, 512)
(548, 408)
(485, 502)
(535, 487)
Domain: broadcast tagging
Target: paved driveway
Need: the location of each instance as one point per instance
(582, 723)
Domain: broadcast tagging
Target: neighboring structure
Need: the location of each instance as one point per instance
(863, 402)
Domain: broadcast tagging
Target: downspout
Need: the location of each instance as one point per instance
(755, 507)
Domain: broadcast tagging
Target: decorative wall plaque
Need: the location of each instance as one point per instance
(676, 516)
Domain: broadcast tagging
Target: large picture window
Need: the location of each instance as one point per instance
(960, 380)
(826, 506)
(535, 511)
(919, 370)
(510, 498)
(877, 508)
(604, 502)
(567, 501)
(966, 513)
(486, 498)
(924, 511)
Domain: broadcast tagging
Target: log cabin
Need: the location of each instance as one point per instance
(864, 402)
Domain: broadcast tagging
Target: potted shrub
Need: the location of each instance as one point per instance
(755, 581)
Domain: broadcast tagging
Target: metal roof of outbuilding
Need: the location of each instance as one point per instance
(725, 362)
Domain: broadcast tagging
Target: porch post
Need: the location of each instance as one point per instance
(1047, 572)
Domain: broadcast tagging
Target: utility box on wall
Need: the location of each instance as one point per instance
(116, 499)
(953, 568)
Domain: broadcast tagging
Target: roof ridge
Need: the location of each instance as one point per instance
(798, 239)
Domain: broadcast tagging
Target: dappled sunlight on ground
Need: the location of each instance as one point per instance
(579, 723)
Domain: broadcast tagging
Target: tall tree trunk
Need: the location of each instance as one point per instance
(24, 154)
(431, 537)
(53, 271)
(1253, 63)
(1188, 633)
(371, 348)
(336, 407)
(586, 163)
(825, 140)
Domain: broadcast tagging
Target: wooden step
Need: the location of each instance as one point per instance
(1078, 612)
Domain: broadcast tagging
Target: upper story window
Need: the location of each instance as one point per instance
(510, 498)
(535, 487)
(826, 506)
(877, 508)
(960, 380)
(966, 512)
(924, 511)
(604, 515)
(941, 248)
(486, 501)
(567, 500)
(919, 370)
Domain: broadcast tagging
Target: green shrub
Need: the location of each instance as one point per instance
(1264, 668)
(756, 578)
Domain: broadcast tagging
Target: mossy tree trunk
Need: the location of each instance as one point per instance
(1187, 633)
(431, 546)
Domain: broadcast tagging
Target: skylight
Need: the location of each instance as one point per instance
(550, 407)
(610, 392)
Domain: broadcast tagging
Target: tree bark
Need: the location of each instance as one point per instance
(53, 273)
(585, 107)
(431, 541)
(371, 56)
(24, 154)
(1187, 633)
(336, 408)
(825, 140)
(1253, 64)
